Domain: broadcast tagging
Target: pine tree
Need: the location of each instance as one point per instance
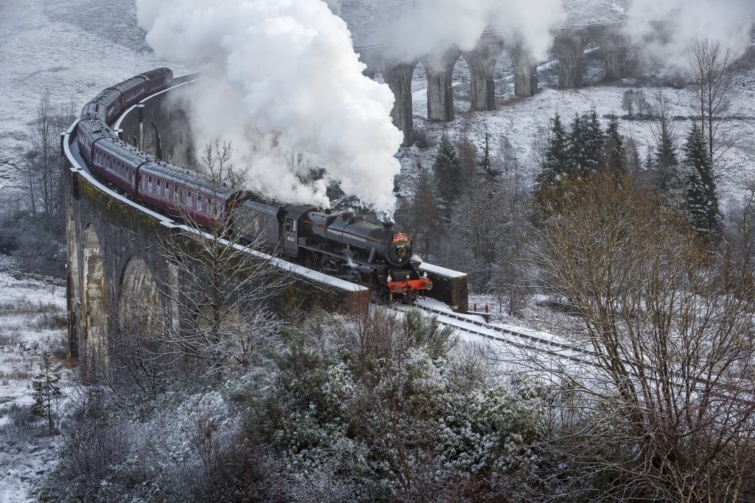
(613, 148)
(466, 152)
(485, 162)
(425, 217)
(667, 177)
(585, 144)
(702, 202)
(46, 392)
(666, 163)
(447, 172)
(556, 163)
(575, 145)
(594, 140)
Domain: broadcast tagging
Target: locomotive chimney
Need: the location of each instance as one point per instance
(387, 225)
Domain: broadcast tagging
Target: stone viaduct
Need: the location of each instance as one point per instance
(568, 50)
(115, 267)
(118, 276)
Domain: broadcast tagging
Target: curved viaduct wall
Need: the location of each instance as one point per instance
(115, 271)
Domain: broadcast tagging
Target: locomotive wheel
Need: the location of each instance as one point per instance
(329, 265)
(311, 261)
(383, 294)
(410, 297)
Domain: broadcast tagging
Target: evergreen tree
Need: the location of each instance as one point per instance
(447, 172)
(485, 162)
(466, 152)
(666, 164)
(575, 145)
(46, 392)
(702, 202)
(556, 162)
(425, 220)
(585, 144)
(667, 177)
(613, 148)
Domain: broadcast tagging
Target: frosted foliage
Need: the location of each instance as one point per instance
(286, 68)
(727, 21)
(472, 432)
(435, 25)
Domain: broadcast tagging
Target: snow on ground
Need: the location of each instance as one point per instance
(521, 121)
(74, 49)
(32, 323)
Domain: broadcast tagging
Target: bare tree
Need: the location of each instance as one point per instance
(668, 413)
(42, 166)
(634, 102)
(711, 69)
(219, 286)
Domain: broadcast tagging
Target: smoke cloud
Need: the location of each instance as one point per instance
(432, 26)
(727, 21)
(282, 76)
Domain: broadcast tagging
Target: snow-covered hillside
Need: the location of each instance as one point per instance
(32, 323)
(74, 49)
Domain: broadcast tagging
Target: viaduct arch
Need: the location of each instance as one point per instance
(568, 49)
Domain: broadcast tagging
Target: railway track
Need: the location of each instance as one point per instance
(519, 340)
(533, 343)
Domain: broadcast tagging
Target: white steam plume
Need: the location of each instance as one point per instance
(432, 26)
(530, 22)
(285, 68)
(727, 21)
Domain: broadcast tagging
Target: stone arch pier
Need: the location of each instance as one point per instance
(568, 49)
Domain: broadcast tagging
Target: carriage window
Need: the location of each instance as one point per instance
(149, 184)
(199, 202)
(188, 199)
(176, 195)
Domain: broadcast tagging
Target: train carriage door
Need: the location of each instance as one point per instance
(291, 245)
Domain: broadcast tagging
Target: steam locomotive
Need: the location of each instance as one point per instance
(341, 245)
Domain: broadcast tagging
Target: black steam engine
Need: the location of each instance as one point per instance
(341, 245)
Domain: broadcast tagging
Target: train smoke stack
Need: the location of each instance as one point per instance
(387, 225)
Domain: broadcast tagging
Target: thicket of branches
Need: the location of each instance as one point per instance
(469, 211)
(32, 229)
(670, 404)
(211, 308)
(364, 407)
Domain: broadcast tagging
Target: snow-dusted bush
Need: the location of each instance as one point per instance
(376, 408)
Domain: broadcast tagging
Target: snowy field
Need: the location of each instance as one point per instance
(32, 323)
(74, 49)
